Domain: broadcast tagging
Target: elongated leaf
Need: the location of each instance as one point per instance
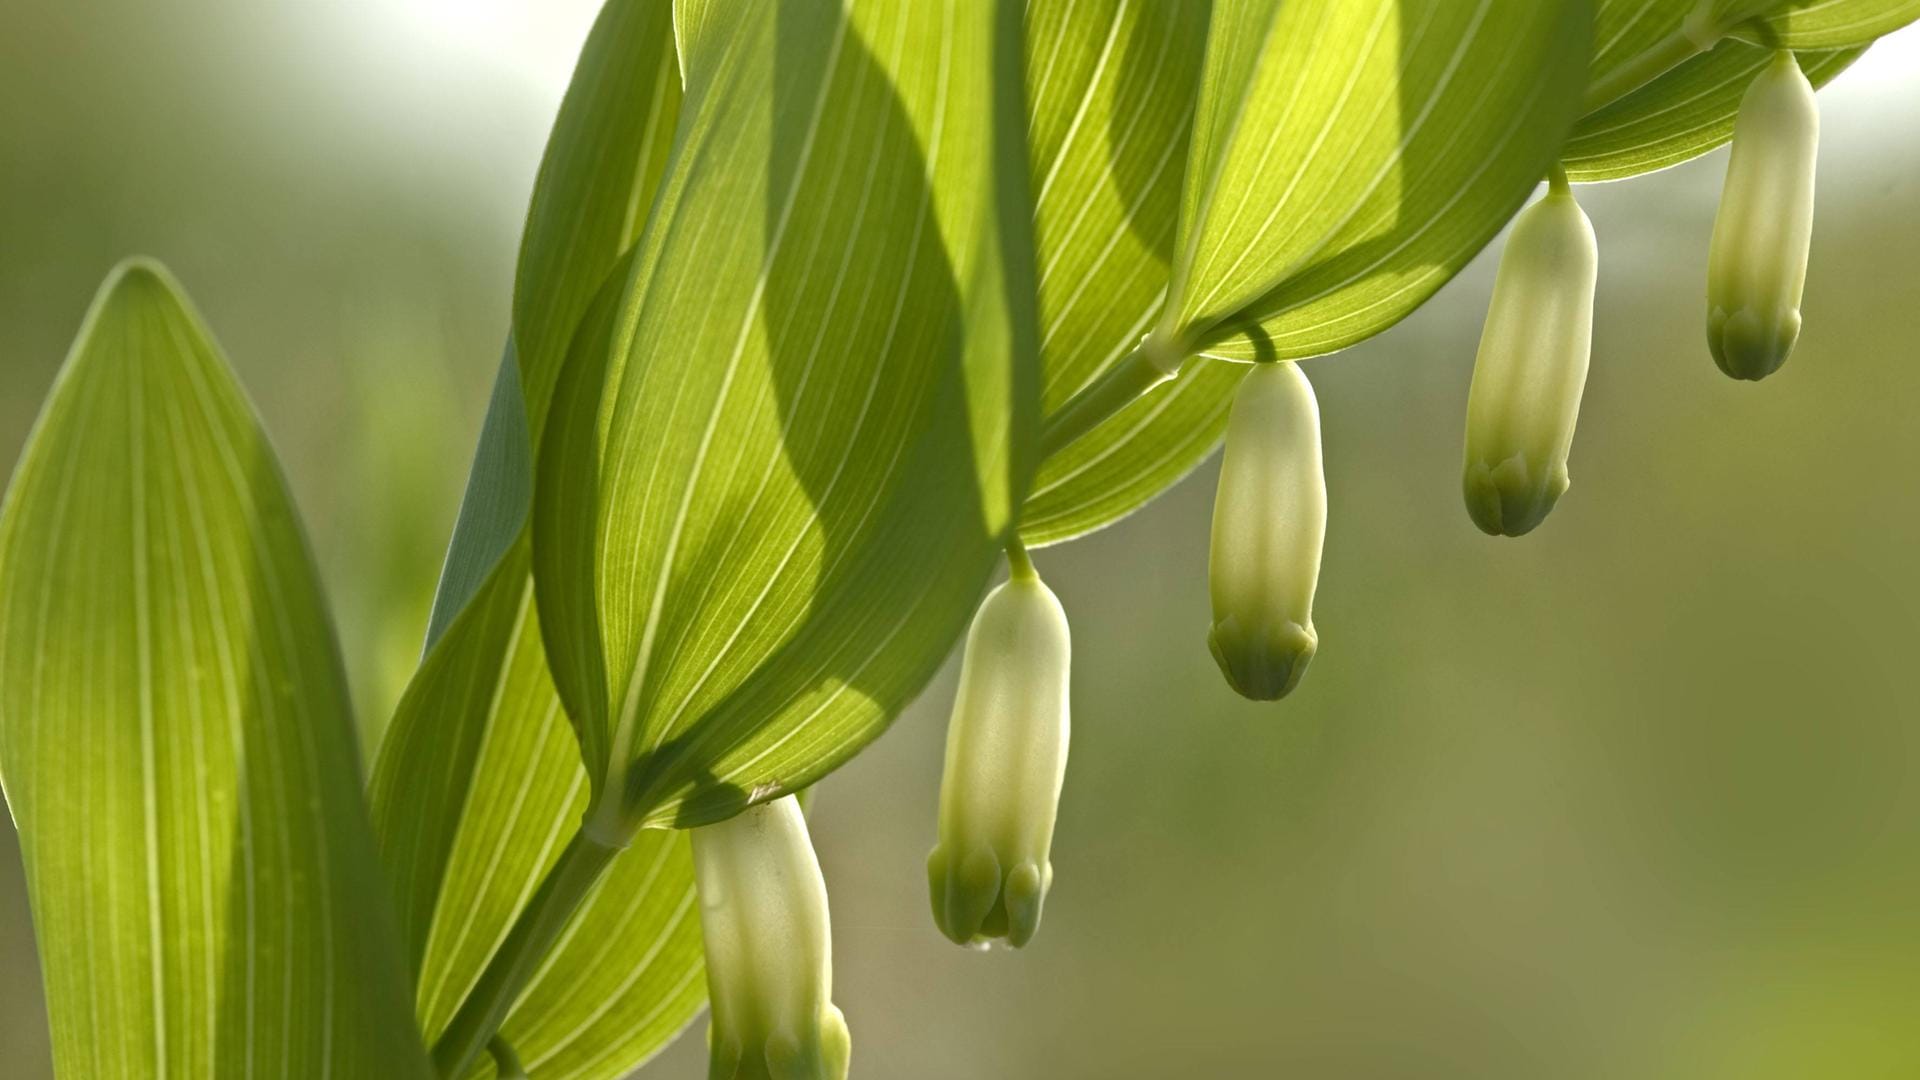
(1680, 115)
(1830, 24)
(1110, 93)
(1350, 157)
(480, 784)
(818, 399)
(1656, 100)
(174, 730)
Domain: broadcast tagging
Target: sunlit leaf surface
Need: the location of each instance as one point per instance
(174, 730)
(1680, 115)
(1110, 93)
(1348, 158)
(813, 415)
(1830, 24)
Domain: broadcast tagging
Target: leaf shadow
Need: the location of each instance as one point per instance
(1147, 145)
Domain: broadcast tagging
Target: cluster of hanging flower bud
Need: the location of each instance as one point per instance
(763, 904)
(1532, 364)
(763, 915)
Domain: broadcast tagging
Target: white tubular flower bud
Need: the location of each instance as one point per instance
(1757, 266)
(1269, 525)
(1006, 760)
(1532, 367)
(763, 913)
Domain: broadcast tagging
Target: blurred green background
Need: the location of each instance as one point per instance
(1635, 797)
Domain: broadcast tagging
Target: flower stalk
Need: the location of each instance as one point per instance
(1006, 761)
(1152, 362)
(1532, 366)
(1757, 265)
(763, 916)
(1269, 526)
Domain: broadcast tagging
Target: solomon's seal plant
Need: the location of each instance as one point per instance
(819, 308)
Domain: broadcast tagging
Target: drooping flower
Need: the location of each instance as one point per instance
(763, 915)
(1269, 525)
(1757, 266)
(1532, 367)
(1006, 760)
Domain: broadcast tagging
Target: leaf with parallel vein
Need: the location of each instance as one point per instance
(1349, 158)
(1656, 100)
(174, 732)
(480, 783)
(1679, 116)
(1111, 86)
(814, 419)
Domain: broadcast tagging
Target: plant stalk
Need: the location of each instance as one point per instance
(1147, 366)
(1690, 40)
(506, 1063)
(1019, 564)
(534, 932)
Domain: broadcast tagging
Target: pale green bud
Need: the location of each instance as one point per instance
(1006, 759)
(1532, 367)
(1757, 266)
(763, 915)
(1269, 525)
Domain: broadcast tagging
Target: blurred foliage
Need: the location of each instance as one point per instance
(1635, 796)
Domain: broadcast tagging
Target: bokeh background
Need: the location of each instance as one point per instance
(1635, 797)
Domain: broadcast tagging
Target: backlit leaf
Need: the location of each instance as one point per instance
(1680, 115)
(1350, 157)
(818, 400)
(1110, 94)
(174, 730)
(480, 783)
(1830, 24)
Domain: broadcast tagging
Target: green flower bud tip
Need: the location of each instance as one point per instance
(1532, 367)
(1757, 266)
(763, 916)
(1006, 760)
(1269, 525)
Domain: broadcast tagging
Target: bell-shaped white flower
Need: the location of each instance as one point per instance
(1757, 266)
(763, 915)
(1006, 760)
(1269, 525)
(1532, 366)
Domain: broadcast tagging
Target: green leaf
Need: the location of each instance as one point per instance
(1110, 92)
(818, 404)
(1680, 115)
(1345, 207)
(1125, 463)
(480, 784)
(174, 730)
(603, 163)
(1350, 156)
(1831, 24)
(1635, 41)
(1656, 99)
